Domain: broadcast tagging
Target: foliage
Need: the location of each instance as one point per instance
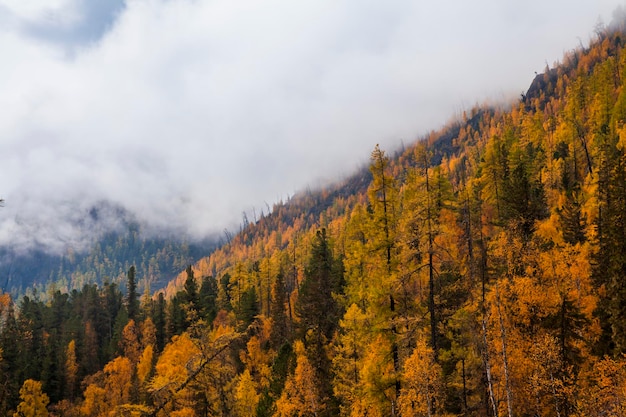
(34, 401)
(478, 272)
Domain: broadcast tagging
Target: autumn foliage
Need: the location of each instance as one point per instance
(479, 272)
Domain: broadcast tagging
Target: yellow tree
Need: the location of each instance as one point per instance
(603, 389)
(257, 362)
(196, 373)
(422, 390)
(356, 257)
(266, 274)
(547, 387)
(129, 344)
(429, 244)
(95, 403)
(109, 390)
(118, 381)
(301, 396)
(34, 401)
(494, 169)
(144, 367)
(383, 259)
(246, 395)
(71, 368)
(178, 360)
(214, 386)
(379, 381)
(376, 290)
(148, 333)
(348, 359)
(541, 324)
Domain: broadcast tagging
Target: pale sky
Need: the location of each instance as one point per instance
(188, 112)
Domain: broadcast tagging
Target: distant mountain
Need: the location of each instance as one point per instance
(158, 257)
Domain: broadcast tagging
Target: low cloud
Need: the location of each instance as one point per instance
(187, 113)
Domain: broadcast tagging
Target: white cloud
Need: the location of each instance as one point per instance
(188, 112)
(62, 10)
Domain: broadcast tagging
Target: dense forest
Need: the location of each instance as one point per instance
(480, 272)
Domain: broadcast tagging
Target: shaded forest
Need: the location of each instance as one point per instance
(479, 272)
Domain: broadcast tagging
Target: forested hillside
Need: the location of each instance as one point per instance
(157, 259)
(480, 272)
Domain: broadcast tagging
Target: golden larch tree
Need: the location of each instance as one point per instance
(34, 400)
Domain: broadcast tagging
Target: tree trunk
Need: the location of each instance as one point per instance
(505, 361)
(487, 362)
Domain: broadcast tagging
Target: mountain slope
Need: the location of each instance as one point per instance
(478, 272)
(524, 211)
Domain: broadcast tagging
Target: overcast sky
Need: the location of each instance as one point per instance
(188, 112)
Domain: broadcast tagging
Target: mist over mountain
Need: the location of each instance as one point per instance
(186, 114)
(101, 244)
(477, 271)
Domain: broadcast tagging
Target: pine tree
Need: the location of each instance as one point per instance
(31, 347)
(248, 308)
(316, 307)
(175, 318)
(11, 374)
(191, 289)
(524, 200)
(318, 312)
(572, 219)
(280, 329)
(611, 225)
(159, 320)
(208, 298)
(190, 298)
(132, 300)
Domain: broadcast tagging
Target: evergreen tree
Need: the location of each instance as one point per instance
(524, 200)
(223, 295)
(572, 219)
(319, 313)
(278, 314)
(208, 298)
(159, 320)
(190, 298)
(316, 306)
(283, 363)
(11, 372)
(191, 289)
(106, 307)
(248, 308)
(52, 371)
(132, 299)
(175, 319)
(31, 347)
(121, 320)
(610, 267)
